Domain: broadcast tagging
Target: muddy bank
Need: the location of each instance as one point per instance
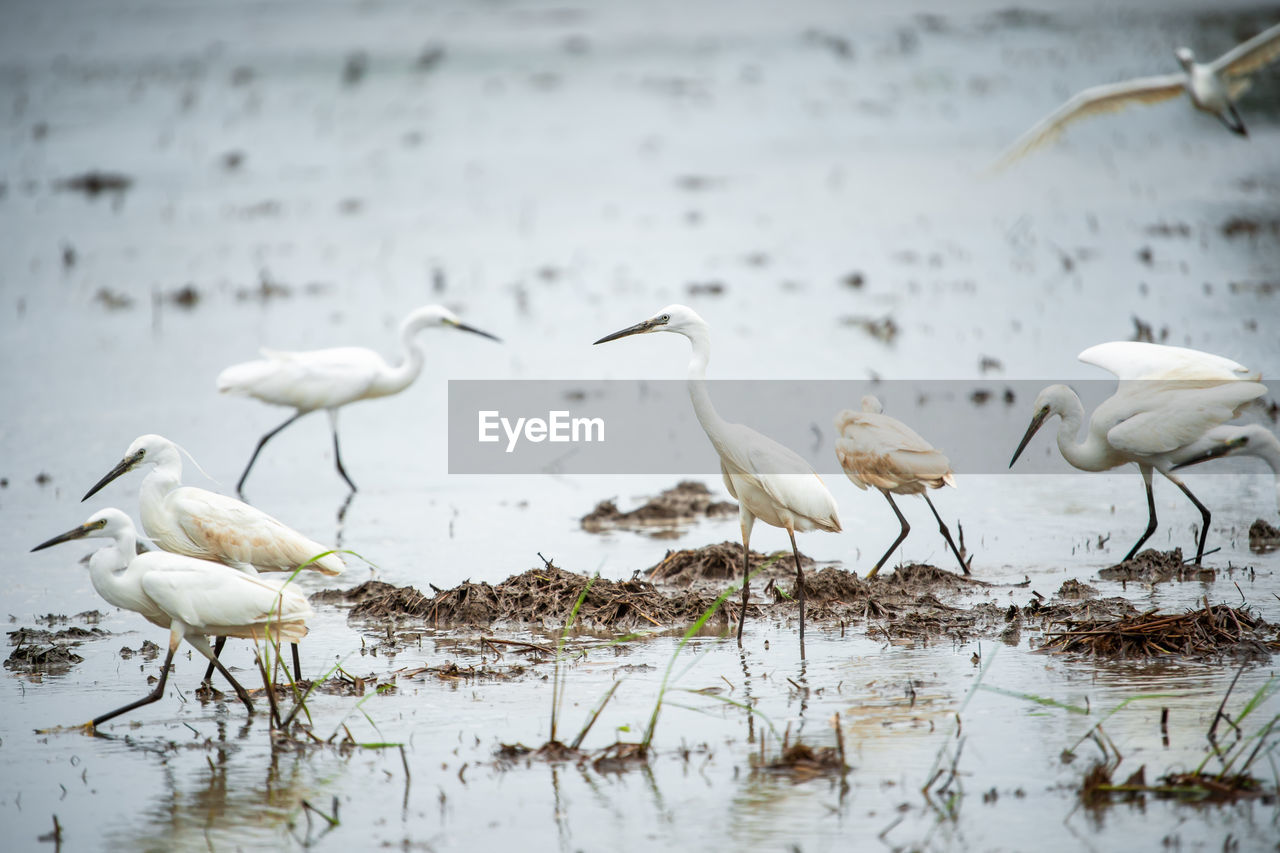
(721, 563)
(685, 502)
(36, 650)
(1153, 566)
(1210, 633)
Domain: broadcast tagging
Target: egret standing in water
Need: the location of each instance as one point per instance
(771, 482)
(192, 598)
(209, 526)
(1168, 399)
(331, 378)
(1212, 88)
(877, 450)
(1249, 440)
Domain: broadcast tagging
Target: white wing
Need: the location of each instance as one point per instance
(1249, 56)
(215, 599)
(779, 477)
(884, 452)
(306, 380)
(1132, 360)
(1163, 418)
(1097, 99)
(232, 532)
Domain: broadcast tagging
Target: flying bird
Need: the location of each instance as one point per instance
(1212, 87)
(332, 378)
(1168, 398)
(884, 453)
(771, 482)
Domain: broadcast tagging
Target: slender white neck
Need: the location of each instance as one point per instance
(715, 426)
(107, 569)
(1091, 454)
(165, 476)
(402, 374)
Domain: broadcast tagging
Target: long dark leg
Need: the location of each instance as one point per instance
(906, 528)
(337, 454)
(1151, 511)
(746, 522)
(946, 534)
(1236, 125)
(202, 646)
(799, 587)
(1204, 516)
(146, 700)
(262, 443)
(218, 645)
(297, 664)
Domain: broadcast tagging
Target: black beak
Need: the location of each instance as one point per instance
(1036, 423)
(75, 533)
(126, 464)
(1221, 450)
(638, 328)
(473, 330)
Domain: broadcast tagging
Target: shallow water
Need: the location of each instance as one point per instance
(561, 173)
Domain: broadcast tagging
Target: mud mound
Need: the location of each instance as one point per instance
(919, 578)
(362, 594)
(38, 650)
(1073, 590)
(802, 762)
(835, 585)
(719, 563)
(1209, 633)
(1152, 566)
(1263, 538)
(684, 502)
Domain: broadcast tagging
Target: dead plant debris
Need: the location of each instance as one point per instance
(719, 563)
(1211, 632)
(802, 762)
(1152, 566)
(686, 501)
(1263, 538)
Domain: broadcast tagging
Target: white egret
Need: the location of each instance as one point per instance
(209, 526)
(877, 450)
(331, 378)
(771, 482)
(1249, 440)
(1168, 398)
(1212, 87)
(192, 598)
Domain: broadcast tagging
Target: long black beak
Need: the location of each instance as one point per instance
(463, 327)
(1221, 450)
(75, 533)
(124, 465)
(1036, 423)
(637, 329)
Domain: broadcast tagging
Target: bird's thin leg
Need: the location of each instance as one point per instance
(337, 454)
(799, 586)
(906, 528)
(1151, 510)
(946, 534)
(261, 443)
(297, 664)
(218, 645)
(202, 646)
(145, 700)
(746, 522)
(1236, 125)
(1204, 516)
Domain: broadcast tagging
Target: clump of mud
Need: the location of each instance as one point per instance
(1152, 566)
(1074, 590)
(719, 563)
(1206, 634)
(684, 502)
(802, 762)
(1263, 538)
(36, 650)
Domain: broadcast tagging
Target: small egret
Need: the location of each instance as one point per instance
(1212, 88)
(877, 450)
(209, 526)
(1168, 398)
(192, 598)
(771, 482)
(331, 378)
(1250, 440)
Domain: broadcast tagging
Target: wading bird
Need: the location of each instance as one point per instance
(877, 450)
(771, 482)
(331, 378)
(1250, 440)
(1212, 87)
(192, 598)
(209, 526)
(1168, 398)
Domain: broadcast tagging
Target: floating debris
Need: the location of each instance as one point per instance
(1242, 226)
(883, 329)
(686, 501)
(706, 288)
(112, 300)
(94, 184)
(1263, 538)
(1208, 633)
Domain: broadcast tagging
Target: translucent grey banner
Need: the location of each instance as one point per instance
(650, 427)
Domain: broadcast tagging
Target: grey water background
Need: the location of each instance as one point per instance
(303, 175)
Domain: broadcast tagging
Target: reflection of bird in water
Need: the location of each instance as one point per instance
(1168, 399)
(771, 482)
(877, 450)
(209, 526)
(1212, 87)
(331, 378)
(192, 598)
(1251, 440)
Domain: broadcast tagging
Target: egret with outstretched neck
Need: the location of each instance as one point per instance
(192, 598)
(332, 378)
(877, 450)
(771, 482)
(209, 526)
(1168, 398)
